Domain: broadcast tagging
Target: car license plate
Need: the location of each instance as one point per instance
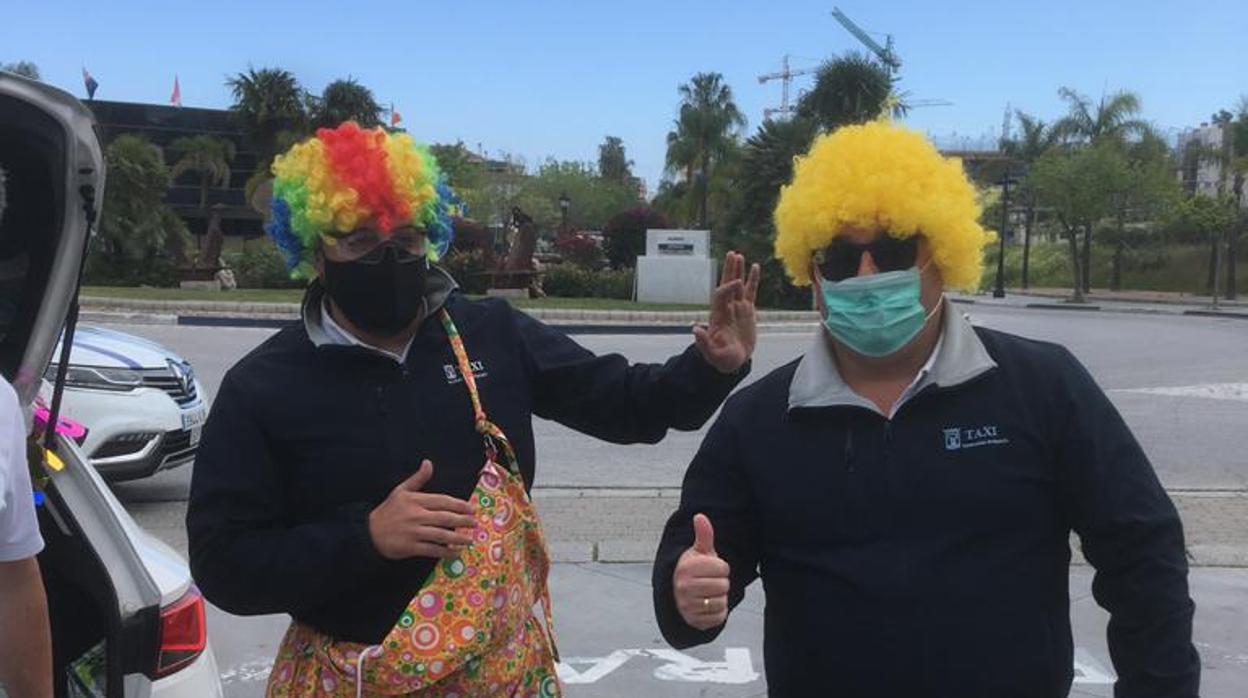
(195, 433)
(193, 419)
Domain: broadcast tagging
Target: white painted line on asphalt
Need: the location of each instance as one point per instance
(248, 672)
(596, 667)
(737, 668)
(1090, 671)
(575, 492)
(1212, 391)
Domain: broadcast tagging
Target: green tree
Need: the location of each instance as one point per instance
(613, 164)
(209, 158)
(270, 106)
(851, 89)
(344, 100)
(1034, 140)
(1238, 138)
(490, 198)
(1203, 218)
(463, 170)
(132, 219)
(766, 166)
(1229, 156)
(671, 199)
(26, 69)
(1112, 122)
(592, 199)
(625, 234)
(703, 135)
(1114, 118)
(1076, 186)
(1142, 191)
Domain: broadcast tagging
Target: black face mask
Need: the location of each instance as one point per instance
(382, 292)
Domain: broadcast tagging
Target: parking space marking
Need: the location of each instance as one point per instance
(1211, 391)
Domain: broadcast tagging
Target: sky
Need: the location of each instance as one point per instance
(551, 79)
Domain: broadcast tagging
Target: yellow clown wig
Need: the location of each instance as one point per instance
(348, 177)
(880, 176)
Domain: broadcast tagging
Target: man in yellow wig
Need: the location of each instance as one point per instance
(907, 488)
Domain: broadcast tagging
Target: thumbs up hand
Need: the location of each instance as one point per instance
(700, 582)
(415, 523)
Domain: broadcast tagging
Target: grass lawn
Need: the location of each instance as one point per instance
(257, 295)
(294, 295)
(1177, 269)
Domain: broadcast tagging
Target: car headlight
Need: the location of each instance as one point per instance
(96, 378)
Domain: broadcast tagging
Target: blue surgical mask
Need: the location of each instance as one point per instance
(874, 315)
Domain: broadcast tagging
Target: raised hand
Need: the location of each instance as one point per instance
(727, 340)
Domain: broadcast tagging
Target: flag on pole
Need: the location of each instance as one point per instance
(395, 118)
(176, 98)
(90, 83)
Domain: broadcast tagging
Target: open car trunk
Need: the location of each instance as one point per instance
(104, 605)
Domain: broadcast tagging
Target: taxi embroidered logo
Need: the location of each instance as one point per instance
(453, 376)
(963, 438)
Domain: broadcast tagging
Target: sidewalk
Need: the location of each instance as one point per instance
(1149, 297)
(251, 314)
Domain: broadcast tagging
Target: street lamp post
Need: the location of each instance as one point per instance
(998, 290)
(564, 203)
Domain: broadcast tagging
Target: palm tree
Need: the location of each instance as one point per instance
(1113, 118)
(1036, 139)
(270, 105)
(1238, 137)
(209, 158)
(344, 100)
(705, 131)
(26, 69)
(851, 89)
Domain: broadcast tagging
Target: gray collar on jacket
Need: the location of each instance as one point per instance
(818, 383)
(440, 286)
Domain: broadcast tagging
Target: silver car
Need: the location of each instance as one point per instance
(126, 618)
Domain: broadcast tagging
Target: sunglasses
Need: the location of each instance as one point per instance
(357, 245)
(841, 259)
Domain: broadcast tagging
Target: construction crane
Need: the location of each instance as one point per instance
(785, 76)
(885, 53)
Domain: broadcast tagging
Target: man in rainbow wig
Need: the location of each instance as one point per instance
(340, 475)
(907, 488)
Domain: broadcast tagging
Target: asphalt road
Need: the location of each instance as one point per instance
(1195, 442)
(1181, 384)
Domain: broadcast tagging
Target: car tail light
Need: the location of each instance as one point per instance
(183, 633)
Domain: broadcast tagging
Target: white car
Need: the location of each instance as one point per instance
(140, 403)
(127, 621)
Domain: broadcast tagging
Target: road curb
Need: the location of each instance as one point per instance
(1199, 301)
(571, 320)
(1217, 313)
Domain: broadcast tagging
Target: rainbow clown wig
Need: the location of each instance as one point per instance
(347, 178)
(883, 177)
